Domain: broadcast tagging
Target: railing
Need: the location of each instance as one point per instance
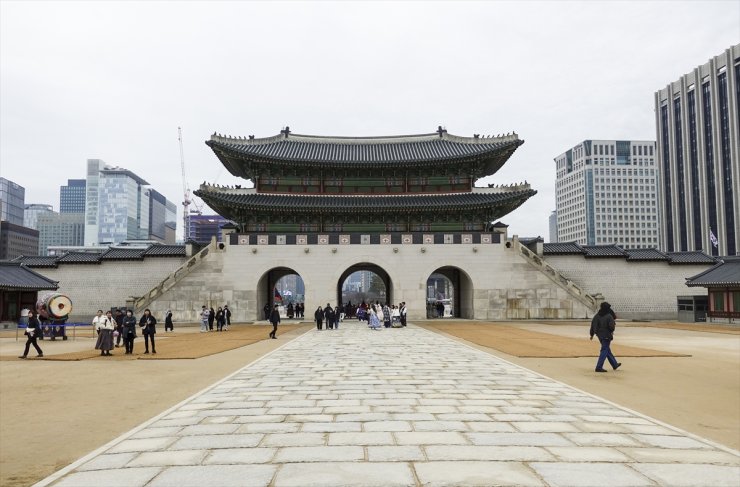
(573, 289)
(173, 278)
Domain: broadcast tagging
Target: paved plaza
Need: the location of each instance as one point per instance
(398, 407)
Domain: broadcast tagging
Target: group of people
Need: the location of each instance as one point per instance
(378, 316)
(122, 327)
(222, 318)
(330, 316)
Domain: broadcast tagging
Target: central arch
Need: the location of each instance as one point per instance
(370, 267)
(266, 288)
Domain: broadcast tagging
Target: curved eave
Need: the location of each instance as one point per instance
(231, 205)
(238, 159)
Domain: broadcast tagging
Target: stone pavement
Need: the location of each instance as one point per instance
(398, 407)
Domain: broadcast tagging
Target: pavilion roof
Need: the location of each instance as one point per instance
(17, 277)
(423, 150)
(725, 273)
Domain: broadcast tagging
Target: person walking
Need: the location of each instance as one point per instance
(266, 310)
(603, 326)
(386, 316)
(119, 327)
(204, 314)
(337, 317)
(211, 318)
(319, 317)
(168, 321)
(33, 330)
(329, 316)
(148, 329)
(275, 320)
(129, 332)
(105, 326)
(227, 314)
(403, 313)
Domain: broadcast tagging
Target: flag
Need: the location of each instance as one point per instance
(713, 238)
(277, 296)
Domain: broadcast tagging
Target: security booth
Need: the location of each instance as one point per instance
(19, 287)
(723, 289)
(692, 309)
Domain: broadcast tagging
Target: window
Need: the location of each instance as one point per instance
(718, 301)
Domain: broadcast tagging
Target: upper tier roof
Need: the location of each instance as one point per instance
(349, 152)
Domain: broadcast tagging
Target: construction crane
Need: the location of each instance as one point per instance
(185, 189)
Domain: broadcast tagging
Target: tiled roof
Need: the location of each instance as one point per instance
(724, 273)
(603, 251)
(165, 251)
(16, 276)
(267, 203)
(38, 260)
(80, 258)
(691, 257)
(530, 240)
(562, 248)
(122, 254)
(645, 254)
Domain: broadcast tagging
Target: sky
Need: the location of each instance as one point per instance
(114, 80)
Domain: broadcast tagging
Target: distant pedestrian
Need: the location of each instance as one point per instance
(33, 330)
(129, 332)
(227, 314)
(266, 311)
(387, 318)
(168, 321)
(148, 329)
(603, 326)
(403, 313)
(319, 317)
(329, 316)
(440, 309)
(373, 320)
(211, 319)
(204, 314)
(220, 319)
(105, 327)
(337, 317)
(290, 311)
(275, 320)
(119, 327)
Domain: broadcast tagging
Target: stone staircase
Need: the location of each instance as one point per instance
(580, 295)
(141, 303)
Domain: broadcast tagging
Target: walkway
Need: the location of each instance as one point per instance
(397, 408)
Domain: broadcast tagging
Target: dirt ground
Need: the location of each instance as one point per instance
(79, 405)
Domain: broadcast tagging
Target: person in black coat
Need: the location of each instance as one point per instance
(329, 316)
(33, 330)
(211, 317)
(227, 314)
(148, 329)
(274, 319)
(168, 321)
(319, 317)
(266, 310)
(603, 326)
(129, 332)
(119, 326)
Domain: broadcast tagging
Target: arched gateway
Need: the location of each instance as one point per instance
(408, 206)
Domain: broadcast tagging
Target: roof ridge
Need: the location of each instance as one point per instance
(442, 135)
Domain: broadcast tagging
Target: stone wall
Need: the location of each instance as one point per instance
(109, 284)
(636, 290)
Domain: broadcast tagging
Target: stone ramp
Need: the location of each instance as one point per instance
(398, 407)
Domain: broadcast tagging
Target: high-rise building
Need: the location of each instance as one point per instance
(697, 120)
(12, 201)
(606, 194)
(162, 218)
(60, 229)
(203, 227)
(92, 216)
(72, 196)
(17, 240)
(553, 220)
(32, 212)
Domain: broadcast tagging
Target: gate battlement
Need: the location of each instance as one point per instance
(391, 238)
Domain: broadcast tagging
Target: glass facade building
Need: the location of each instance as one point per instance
(606, 194)
(698, 126)
(162, 218)
(72, 196)
(12, 202)
(60, 229)
(203, 227)
(32, 212)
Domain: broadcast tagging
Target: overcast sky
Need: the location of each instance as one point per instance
(114, 80)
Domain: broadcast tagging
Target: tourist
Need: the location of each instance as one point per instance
(105, 326)
(98, 319)
(168, 321)
(373, 320)
(329, 316)
(33, 329)
(386, 316)
(379, 313)
(603, 325)
(227, 315)
(119, 327)
(211, 318)
(204, 315)
(299, 310)
(129, 332)
(148, 329)
(290, 311)
(275, 320)
(403, 313)
(440, 309)
(266, 310)
(319, 317)
(220, 319)
(337, 317)
(395, 317)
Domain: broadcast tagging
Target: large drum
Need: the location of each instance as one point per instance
(53, 309)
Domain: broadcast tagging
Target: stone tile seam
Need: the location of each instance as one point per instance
(98, 451)
(623, 408)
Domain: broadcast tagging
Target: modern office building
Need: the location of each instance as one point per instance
(204, 227)
(162, 218)
(17, 240)
(606, 194)
(92, 216)
(72, 196)
(32, 212)
(699, 157)
(553, 222)
(60, 229)
(12, 201)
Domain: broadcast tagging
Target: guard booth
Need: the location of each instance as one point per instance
(692, 309)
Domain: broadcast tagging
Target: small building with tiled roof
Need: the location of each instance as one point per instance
(19, 287)
(722, 282)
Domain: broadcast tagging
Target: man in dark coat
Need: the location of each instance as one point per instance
(266, 309)
(603, 326)
(227, 314)
(274, 319)
(148, 329)
(319, 317)
(329, 316)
